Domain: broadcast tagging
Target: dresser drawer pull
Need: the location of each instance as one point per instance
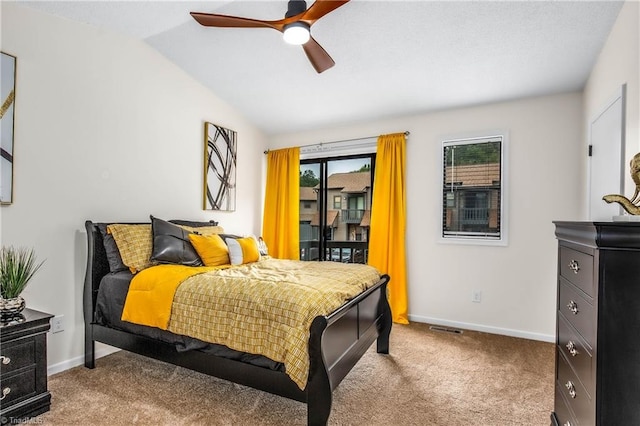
(574, 266)
(571, 388)
(573, 307)
(567, 423)
(5, 359)
(571, 347)
(5, 392)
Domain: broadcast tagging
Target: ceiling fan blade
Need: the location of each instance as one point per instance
(214, 20)
(320, 8)
(319, 57)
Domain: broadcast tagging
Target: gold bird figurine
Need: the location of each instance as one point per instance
(629, 205)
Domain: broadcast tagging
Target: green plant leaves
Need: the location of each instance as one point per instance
(17, 267)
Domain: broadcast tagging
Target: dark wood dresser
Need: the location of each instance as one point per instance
(598, 324)
(23, 367)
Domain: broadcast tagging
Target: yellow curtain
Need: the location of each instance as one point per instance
(280, 223)
(387, 232)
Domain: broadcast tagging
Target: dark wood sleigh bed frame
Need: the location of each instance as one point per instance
(336, 342)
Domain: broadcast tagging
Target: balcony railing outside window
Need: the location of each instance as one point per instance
(352, 215)
(336, 251)
(475, 216)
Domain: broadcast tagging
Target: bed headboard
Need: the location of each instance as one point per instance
(98, 263)
(97, 267)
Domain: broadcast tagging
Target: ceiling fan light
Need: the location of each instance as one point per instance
(296, 33)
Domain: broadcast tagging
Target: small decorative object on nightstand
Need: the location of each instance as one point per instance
(23, 366)
(17, 267)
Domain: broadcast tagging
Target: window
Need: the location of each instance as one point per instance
(473, 190)
(337, 202)
(340, 190)
(355, 210)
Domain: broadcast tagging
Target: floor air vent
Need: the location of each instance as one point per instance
(445, 329)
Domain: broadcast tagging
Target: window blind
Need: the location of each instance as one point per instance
(472, 188)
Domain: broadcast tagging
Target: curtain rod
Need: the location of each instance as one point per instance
(406, 133)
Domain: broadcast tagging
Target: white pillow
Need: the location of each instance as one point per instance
(262, 247)
(243, 250)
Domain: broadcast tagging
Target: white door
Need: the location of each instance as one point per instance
(606, 168)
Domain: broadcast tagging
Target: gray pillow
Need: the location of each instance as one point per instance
(110, 247)
(171, 244)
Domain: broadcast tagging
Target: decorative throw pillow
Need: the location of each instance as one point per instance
(134, 244)
(211, 248)
(171, 244)
(193, 223)
(204, 230)
(243, 250)
(111, 249)
(225, 236)
(262, 247)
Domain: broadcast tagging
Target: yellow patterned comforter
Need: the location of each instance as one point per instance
(265, 307)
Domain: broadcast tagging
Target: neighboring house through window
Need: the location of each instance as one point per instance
(308, 209)
(473, 189)
(335, 208)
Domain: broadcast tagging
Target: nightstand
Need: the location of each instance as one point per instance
(23, 367)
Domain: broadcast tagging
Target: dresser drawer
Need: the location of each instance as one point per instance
(17, 387)
(17, 354)
(577, 268)
(580, 313)
(561, 408)
(578, 400)
(577, 353)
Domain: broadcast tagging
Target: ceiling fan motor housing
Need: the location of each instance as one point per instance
(296, 32)
(295, 7)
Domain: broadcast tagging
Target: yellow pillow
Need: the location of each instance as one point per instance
(211, 249)
(135, 244)
(243, 250)
(204, 230)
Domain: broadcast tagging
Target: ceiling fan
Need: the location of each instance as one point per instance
(296, 26)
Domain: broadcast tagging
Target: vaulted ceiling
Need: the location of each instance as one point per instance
(393, 58)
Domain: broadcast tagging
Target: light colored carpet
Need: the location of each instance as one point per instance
(430, 378)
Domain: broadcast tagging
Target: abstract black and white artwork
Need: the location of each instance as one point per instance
(219, 168)
(7, 108)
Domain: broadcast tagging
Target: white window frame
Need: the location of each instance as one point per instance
(471, 138)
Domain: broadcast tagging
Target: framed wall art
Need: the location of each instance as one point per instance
(219, 168)
(7, 112)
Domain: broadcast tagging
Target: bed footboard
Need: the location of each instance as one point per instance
(337, 343)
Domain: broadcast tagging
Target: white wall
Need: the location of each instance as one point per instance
(617, 64)
(518, 282)
(106, 129)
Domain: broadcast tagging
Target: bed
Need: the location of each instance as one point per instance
(335, 344)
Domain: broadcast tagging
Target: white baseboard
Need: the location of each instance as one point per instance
(485, 328)
(74, 362)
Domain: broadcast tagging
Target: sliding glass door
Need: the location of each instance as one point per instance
(335, 208)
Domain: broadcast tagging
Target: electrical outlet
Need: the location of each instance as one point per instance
(476, 296)
(57, 324)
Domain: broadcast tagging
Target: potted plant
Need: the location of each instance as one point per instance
(17, 267)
